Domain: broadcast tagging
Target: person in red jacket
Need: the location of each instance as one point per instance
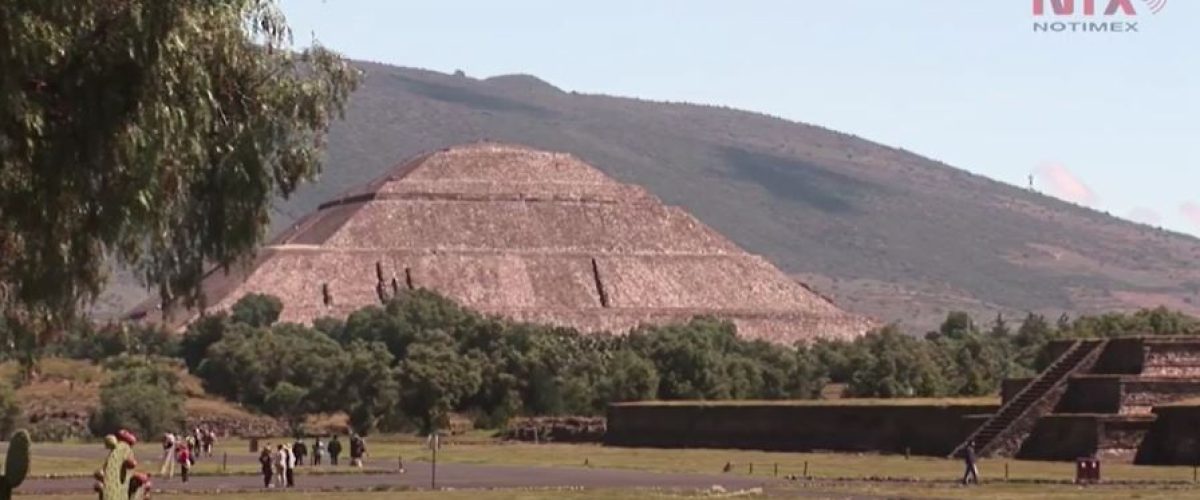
(184, 457)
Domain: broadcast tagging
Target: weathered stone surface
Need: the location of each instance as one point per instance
(1072, 435)
(840, 425)
(1174, 439)
(226, 426)
(556, 429)
(530, 235)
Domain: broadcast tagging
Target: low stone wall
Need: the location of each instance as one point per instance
(242, 427)
(556, 429)
(933, 429)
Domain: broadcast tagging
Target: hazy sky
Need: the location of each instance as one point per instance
(1105, 119)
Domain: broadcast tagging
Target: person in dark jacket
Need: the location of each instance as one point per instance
(300, 450)
(335, 449)
(358, 450)
(972, 471)
(268, 466)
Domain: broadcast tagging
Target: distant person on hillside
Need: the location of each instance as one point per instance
(358, 450)
(317, 449)
(335, 449)
(300, 450)
(972, 472)
(268, 470)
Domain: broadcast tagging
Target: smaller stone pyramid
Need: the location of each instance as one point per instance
(532, 236)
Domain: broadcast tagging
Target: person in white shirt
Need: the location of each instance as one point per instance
(168, 460)
(279, 460)
(289, 466)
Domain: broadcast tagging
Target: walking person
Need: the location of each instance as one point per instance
(264, 459)
(185, 459)
(969, 459)
(335, 449)
(210, 440)
(168, 461)
(358, 450)
(317, 449)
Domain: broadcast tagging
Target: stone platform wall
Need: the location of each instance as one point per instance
(922, 429)
(1091, 394)
(1070, 436)
(1011, 386)
(1174, 439)
(1148, 356)
(1172, 358)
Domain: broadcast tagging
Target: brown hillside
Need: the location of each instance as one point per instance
(884, 231)
(529, 235)
(60, 403)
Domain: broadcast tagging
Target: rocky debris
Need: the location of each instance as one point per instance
(243, 427)
(59, 426)
(556, 429)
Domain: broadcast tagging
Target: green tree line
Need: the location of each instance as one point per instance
(419, 358)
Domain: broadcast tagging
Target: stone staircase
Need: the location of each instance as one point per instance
(1003, 433)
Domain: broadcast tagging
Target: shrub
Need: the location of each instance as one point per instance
(257, 309)
(142, 396)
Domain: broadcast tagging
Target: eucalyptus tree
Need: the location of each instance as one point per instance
(150, 133)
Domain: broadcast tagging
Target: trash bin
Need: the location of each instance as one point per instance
(1087, 470)
(253, 445)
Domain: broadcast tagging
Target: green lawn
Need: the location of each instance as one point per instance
(385, 451)
(711, 461)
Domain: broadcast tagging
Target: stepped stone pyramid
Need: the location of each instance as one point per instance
(532, 236)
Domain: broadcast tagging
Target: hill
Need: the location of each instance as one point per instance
(883, 231)
(59, 404)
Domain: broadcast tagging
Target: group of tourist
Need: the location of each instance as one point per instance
(183, 449)
(279, 464)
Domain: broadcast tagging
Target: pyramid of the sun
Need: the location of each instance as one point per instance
(529, 235)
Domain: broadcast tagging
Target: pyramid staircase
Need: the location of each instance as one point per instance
(1003, 433)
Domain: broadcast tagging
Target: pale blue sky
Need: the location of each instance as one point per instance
(967, 82)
